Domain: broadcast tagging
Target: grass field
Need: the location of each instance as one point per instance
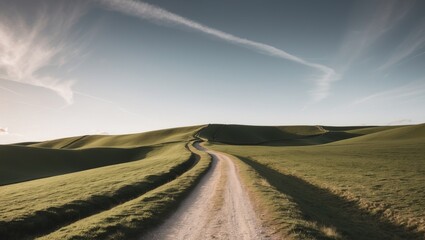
(50, 158)
(19, 164)
(122, 141)
(137, 216)
(364, 187)
(112, 176)
(306, 182)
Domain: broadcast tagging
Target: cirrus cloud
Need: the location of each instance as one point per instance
(31, 43)
(156, 14)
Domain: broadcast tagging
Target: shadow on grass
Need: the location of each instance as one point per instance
(325, 208)
(166, 206)
(43, 222)
(270, 136)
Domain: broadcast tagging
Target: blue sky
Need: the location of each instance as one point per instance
(120, 66)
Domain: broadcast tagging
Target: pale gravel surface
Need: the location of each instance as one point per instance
(218, 208)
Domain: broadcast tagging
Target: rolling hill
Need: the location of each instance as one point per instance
(122, 141)
(367, 186)
(307, 182)
(22, 162)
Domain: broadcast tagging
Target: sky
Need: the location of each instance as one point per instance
(72, 68)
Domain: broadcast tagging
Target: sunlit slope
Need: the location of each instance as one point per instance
(22, 162)
(363, 130)
(381, 172)
(135, 217)
(127, 141)
(19, 163)
(40, 206)
(414, 134)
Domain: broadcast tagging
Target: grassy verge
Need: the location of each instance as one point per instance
(279, 215)
(379, 186)
(32, 208)
(133, 218)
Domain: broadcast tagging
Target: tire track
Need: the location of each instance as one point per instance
(218, 208)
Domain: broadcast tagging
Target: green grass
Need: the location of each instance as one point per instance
(362, 130)
(65, 181)
(280, 135)
(183, 134)
(255, 135)
(377, 181)
(40, 206)
(20, 163)
(280, 216)
(135, 217)
(403, 134)
(307, 182)
(28, 161)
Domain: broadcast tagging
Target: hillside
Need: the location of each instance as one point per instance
(122, 141)
(41, 206)
(306, 182)
(284, 135)
(23, 162)
(368, 186)
(414, 134)
(27, 163)
(257, 135)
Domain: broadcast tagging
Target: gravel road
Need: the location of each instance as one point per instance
(218, 208)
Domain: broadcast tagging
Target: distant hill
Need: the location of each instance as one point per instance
(255, 135)
(20, 163)
(293, 135)
(402, 134)
(28, 161)
(121, 141)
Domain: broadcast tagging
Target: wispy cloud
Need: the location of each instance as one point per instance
(29, 45)
(409, 47)
(408, 90)
(111, 103)
(159, 15)
(368, 23)
(10, 91)
(3, 131)
(7, 137)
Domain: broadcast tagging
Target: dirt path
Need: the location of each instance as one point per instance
(218, 208)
